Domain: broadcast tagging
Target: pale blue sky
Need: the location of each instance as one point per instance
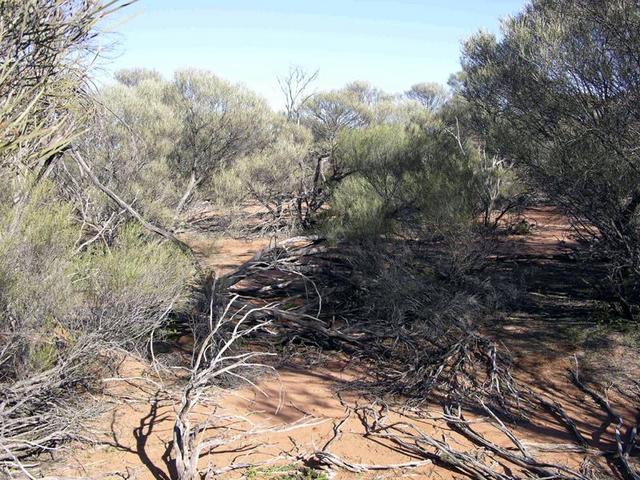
(392, 44)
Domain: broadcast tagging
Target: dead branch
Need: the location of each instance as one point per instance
(329, 459)
(556, 409)
(212, 359)
(84, 167)
(623, 446)
(522, 460)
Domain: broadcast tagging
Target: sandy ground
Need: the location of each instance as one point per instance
(305, 403)
(223, 255)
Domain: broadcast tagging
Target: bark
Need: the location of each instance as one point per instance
(193, 183)
(122, 204)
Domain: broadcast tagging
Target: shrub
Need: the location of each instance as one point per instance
(128, 286)
(62, 308)
(380, 161)
(219, 123)
(61, 311)
(36, 278)
(409, 179)
(558, 94)
(131, 135)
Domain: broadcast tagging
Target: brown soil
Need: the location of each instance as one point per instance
(135, 431)
(223, 254)
(550, 234)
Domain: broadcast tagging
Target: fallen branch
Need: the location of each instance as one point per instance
(623, 447)
(124, 205)
(329, 459)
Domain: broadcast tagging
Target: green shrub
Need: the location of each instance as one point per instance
(36, 288)
(49, 290)
(558, 93)
(269, 177)
(409, 179)
(357, 211)
(128, 285)
(62, 311)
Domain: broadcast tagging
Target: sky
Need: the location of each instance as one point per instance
(392, 44)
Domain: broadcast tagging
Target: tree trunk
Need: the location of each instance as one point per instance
(193, 182)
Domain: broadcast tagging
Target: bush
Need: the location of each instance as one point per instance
(274, 177)
(403, 179)
(131, 135)
(128, 286)
(36, 270)
(558, 95)
(61, 311)
(380, 161)
(357, 211)
(63, 307)
(219, 123)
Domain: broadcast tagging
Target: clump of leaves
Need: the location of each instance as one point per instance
(284, 472)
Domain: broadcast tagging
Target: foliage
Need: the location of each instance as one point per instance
(134, 76)
(219, 122)
(159, 142)
(381, 160)
(558, 94)
(128, 144)
(285, 472)
(44, 47)
(552, 106)
(233, 149)
(432, 96)
(129, 284)
(61, 311)
(35, 259)
(65, 302)
(274, 177)
(409, 179)
(60, 315)
(328, 113)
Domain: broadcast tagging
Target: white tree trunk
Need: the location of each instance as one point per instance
(193, 182)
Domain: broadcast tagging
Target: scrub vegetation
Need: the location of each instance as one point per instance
(390, 214)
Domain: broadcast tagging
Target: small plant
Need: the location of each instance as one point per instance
(42, 357)
(522, 227)
(285, 472)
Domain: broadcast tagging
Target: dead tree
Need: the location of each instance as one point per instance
(295, 87)
(214, 357)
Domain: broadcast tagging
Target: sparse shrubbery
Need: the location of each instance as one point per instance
(161, 143)
(277, 178)
(413, 184)
(415, 178)
(299, 169)
(36, 276)
(117, 292)
(383, 164)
